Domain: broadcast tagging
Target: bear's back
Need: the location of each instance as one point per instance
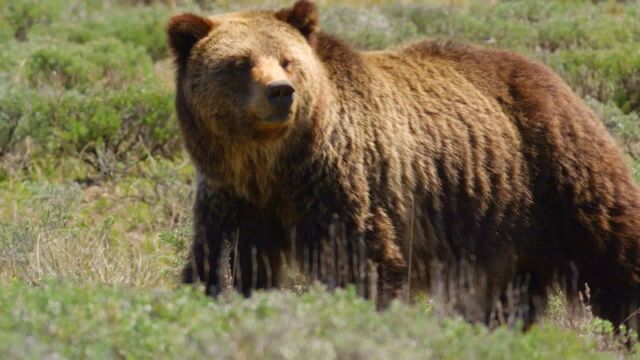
(427, 126)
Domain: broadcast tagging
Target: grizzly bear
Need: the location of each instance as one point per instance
(422, 161)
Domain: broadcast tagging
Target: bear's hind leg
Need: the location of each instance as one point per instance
(610, 263)
(621, 306)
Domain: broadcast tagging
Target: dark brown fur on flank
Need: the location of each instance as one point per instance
(451, 153)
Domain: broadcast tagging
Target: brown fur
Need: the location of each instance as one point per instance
(455, 154)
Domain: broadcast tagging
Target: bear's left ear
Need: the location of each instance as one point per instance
(303, 15)
(184, 31)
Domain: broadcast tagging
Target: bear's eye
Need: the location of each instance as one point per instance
(240, 65)
(285, 63)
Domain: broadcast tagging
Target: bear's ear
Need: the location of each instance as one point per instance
(303, 15)
(184, 31)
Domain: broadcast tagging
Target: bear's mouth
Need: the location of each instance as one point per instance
(278, 118)
(273, 126)
(270, 132)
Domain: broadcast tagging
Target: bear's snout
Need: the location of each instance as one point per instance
(280, 96)
(272, 93)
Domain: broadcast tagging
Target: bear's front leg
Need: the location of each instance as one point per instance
(344, 245)
(235, 244)
(385, 251)
(215, 224)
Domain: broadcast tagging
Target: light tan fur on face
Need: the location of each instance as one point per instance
(227, 18)
(266, 71)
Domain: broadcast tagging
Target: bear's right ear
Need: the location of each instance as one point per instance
(184, 31)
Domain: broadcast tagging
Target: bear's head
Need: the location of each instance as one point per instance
(249, 76)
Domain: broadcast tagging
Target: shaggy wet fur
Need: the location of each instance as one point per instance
(453, 154)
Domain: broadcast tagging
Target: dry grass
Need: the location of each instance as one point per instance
(121, 231)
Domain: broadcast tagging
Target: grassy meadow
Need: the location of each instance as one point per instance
(96, 191)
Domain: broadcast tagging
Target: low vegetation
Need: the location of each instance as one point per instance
(95, 190)
(98, 321)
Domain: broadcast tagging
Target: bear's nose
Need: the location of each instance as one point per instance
(280, 94)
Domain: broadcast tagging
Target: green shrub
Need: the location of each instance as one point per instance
(22, 15)
(588, 30)
(98, 63)
(10, 116)
(66, 320)
(604, 74)
(626, 128)
(120, 125)
(479, 27)
(6, 32)
(23, 113)
(366, 29)
(10, 56)
(142, 27)
(136, 119)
